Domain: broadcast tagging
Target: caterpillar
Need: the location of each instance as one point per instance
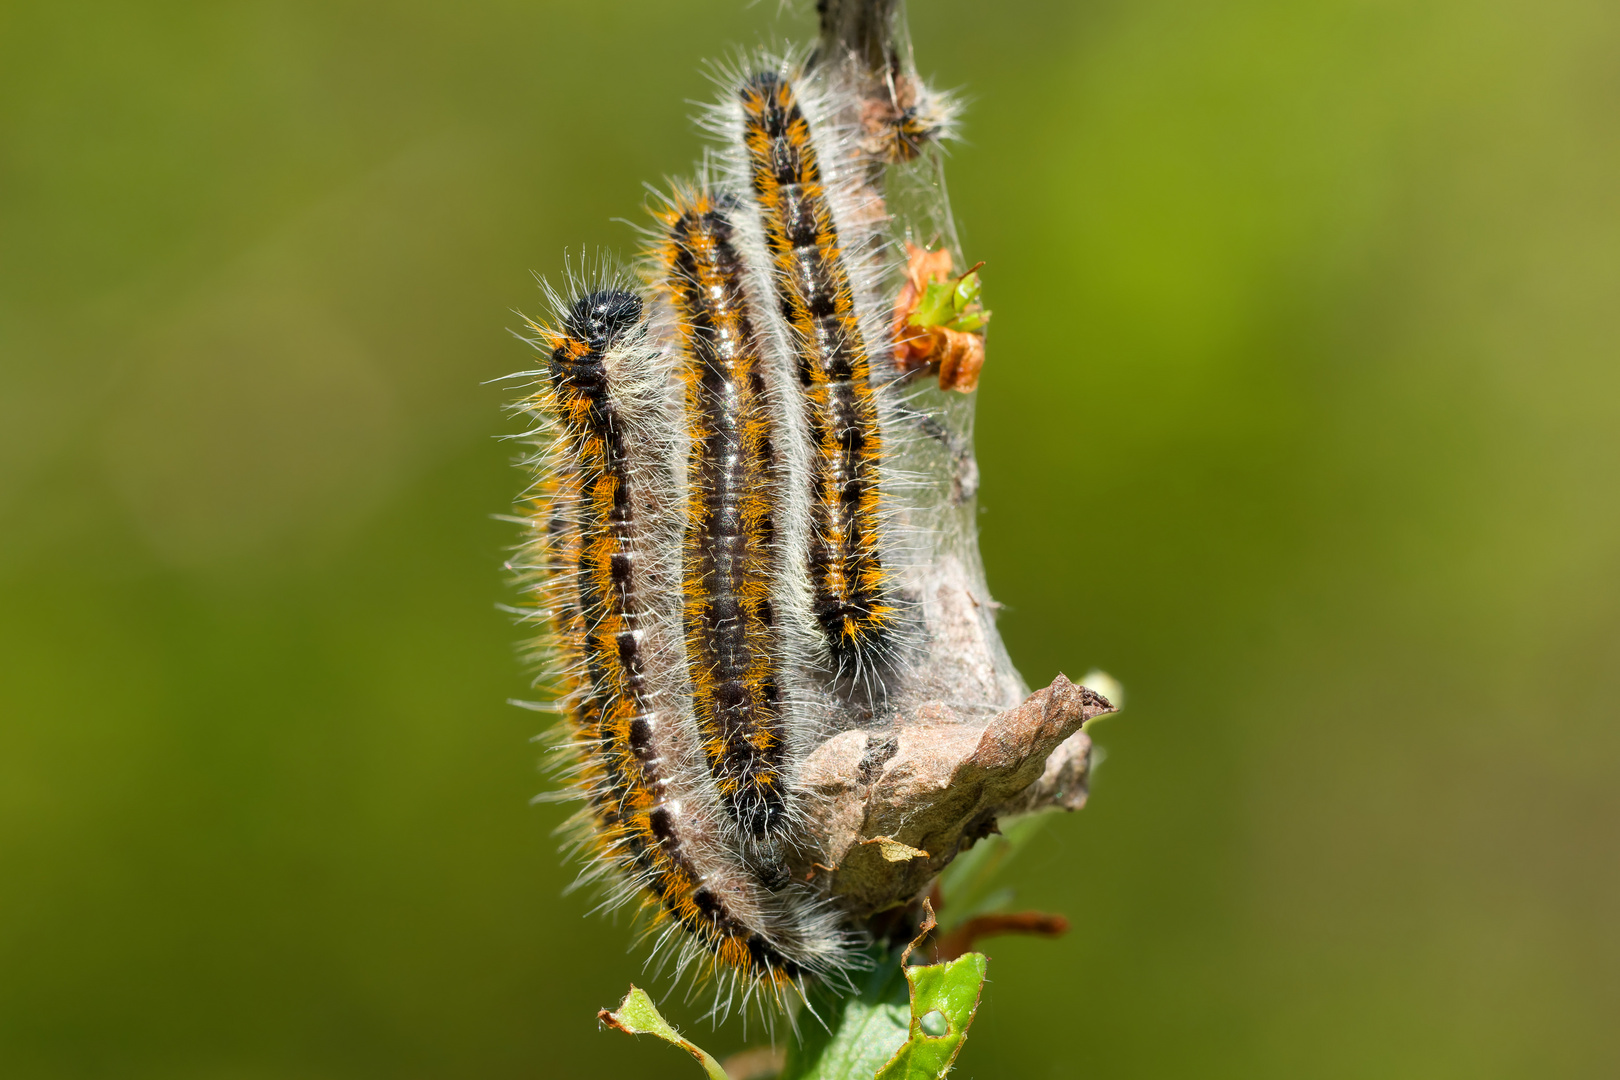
(776, 162)
(598, 548)
(901, 115)
(864, 44)
(730, 559)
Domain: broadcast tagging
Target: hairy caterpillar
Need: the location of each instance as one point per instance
(652, 818)
(776, 161)
(902, 117)
(730, 557)
(714, 537)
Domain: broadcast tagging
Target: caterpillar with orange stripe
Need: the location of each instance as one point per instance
(814, 226)
(732, 561)
(652, 829)
(718, 530)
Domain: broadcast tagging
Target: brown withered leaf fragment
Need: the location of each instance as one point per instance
(913, 349)
(926, 927)
(924, 266)
(961, 358)
(948, 781)
(894, 850)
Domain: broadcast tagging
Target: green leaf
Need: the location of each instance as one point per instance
(952, 304)
(863, 1031)
(878, 1032)
(637, 1015)
(944, 998)
(935, 308)
(970, 321)
(967, 290)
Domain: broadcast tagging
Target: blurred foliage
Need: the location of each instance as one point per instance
(1301, 416)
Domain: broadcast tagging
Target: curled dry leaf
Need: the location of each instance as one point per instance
(960, 356)
(945, 784)
(893, 850)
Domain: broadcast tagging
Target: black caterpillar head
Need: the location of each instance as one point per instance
(601, 318)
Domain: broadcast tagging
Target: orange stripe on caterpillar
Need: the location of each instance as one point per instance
(729, 556)
(853, 593)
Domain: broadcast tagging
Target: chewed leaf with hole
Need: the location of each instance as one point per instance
(944, 998)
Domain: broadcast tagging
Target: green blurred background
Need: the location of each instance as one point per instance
(1302, 418)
